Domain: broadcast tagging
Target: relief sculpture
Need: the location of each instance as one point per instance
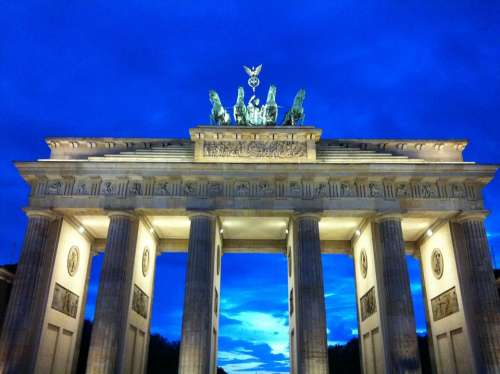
(272, 149)
(444, 304)
(140, 302)
(368, 304)
(65, 301)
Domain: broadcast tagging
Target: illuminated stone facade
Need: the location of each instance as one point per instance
(242, 189)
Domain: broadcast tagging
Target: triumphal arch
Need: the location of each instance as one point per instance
(247, 188)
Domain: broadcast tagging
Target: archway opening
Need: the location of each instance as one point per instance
(253, 324)
(341, 313)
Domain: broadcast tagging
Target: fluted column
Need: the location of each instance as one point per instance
(480, 298)
(396, 306)
(196, 344)
(109, 330)
(311, 342)
(24, 317)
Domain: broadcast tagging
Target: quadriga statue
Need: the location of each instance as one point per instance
(219, 115)
(240, 111)
(270, 110)
(296, 113)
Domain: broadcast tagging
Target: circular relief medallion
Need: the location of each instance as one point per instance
(363, 263)
(145, 261)
(437, 264)
(73, 260)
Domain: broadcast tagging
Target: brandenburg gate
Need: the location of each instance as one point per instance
(243, 188)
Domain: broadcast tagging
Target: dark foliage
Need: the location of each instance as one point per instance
(425, 359)
(344, 358)
(163, 355)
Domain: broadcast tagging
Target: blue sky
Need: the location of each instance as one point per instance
(371, 69)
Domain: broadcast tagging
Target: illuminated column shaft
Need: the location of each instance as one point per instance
(311, 342)
(110, 322)
(396, 306)
(196, 356)
(481, 302)
(24, 317)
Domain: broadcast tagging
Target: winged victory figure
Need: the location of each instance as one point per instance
(253, 73)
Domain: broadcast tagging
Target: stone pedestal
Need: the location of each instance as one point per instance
(110, 321)
(396, 306)
(23, 324)
(198, 344)
(480, 298)
(310, 343)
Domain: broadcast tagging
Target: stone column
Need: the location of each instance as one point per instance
(396, 306)
(107, 343)
(480, 298)
(24, 318)
(310, 315)
(196, 354)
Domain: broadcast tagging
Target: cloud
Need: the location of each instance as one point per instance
(259, 328)
(233, 356)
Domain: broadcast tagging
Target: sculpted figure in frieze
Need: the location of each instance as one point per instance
(375, 190)
(322, 190)
(242, 189)
(190, 188)
(346, 190)
(108, 188)
(135, 188)
(265, 188)
(428, 190)
(402, 190)
(215, 188)
(272, 149)
(82, 189)
(457, 190)
(164, 188)
(54, 188)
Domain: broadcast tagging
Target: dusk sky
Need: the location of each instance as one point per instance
(408, 69)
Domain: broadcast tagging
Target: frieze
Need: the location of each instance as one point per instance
(65, 301)
(444, 304)
(244, 188)
(268, 149)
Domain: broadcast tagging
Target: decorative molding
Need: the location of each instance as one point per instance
(277, 188)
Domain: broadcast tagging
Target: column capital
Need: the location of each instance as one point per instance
(122, 213)
(202, 213)
(302, 215)
(387, 216)
(473, 215)
(47, 213)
